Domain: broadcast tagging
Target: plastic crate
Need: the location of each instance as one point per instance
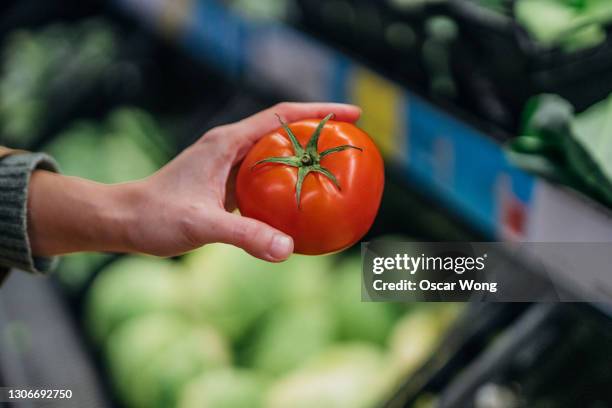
(516, 67)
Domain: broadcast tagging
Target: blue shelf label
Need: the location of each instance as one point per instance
(218, 37)
(467, 170)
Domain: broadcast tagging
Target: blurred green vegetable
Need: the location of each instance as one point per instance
(547, 117)
(589, 148)
(37, 64)
(162, 379)
(224, 388)
(345, 376)
(131, 287)
(357, 320)
(572, 25)
(303, 278)
(230, 289)
(300, 324)
(76, 269)
(290, 336)
(574, 149)
(134, 344)
(128, 146)
(144, 131)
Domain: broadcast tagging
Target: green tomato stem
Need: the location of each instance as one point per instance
(307, 160)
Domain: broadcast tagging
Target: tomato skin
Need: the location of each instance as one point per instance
(328, 219)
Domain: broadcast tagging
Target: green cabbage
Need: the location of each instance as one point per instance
(344, 376)
(161, 380)
(36, 64)
(130, 287)
(133, 345)
(290, 336)
(230, 289)
(233, 290)
(304, 278)
(568, 24)
(129, 141)
(357, 320)
(224, 388)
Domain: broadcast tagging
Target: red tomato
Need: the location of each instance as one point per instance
(322, 215)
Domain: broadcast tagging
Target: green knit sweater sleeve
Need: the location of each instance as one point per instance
(15, 251)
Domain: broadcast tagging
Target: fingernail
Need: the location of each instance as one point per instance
(281, 246)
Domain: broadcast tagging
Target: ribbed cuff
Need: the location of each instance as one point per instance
(15, 250)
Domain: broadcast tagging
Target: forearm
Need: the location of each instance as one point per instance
(70, 214)
(179, 208)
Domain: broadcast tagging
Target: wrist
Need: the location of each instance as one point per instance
(69, 214)
(127, 205)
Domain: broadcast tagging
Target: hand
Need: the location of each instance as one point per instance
(183, 206)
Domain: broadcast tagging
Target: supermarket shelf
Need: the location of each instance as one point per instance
(462, 344)
(461, 389)
(452, 161)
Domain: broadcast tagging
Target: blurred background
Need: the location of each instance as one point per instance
(494, 121)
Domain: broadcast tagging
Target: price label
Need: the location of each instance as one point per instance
(384, 111)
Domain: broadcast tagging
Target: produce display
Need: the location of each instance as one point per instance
(486, 56)
(38, 65)
(151, 356)
(130, 140)
(319, 182)
(570, 24)
(572, 148)
(351, 375)
(225, 387)
(183, 333)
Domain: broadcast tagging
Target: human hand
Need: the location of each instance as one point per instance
(183, 206)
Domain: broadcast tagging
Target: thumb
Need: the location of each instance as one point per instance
(255, 237)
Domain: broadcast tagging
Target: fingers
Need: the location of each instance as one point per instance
(254, 127)
(293, 111)
(240, 136)
(237, 138)
(255, 237)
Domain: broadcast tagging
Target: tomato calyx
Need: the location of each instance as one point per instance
(307, 159)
